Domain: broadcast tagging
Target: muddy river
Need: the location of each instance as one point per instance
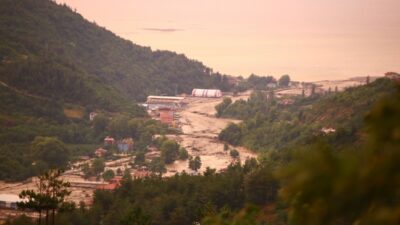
(200, 130)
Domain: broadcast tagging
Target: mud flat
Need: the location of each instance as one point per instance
(200, 137)
(200, 130)
(78, 194)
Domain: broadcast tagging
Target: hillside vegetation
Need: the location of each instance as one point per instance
(313, 184)
(49, 50)
(56, 67)
(269, 124)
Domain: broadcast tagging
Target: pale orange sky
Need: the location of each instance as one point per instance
(307, 39)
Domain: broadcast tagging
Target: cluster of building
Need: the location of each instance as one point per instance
(111, 185)
(124, 146)
(164, 108)
(117, 181)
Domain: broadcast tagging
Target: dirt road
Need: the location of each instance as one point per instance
(200, 130)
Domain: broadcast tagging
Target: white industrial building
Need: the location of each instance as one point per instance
(156, 102)
(9, 201)
(207, 93)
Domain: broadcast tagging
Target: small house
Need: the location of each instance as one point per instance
(109, 140)
(166, 115)
(141, 174)
(92, 115)
(328, 130)
(125, 145)
(112, 185)
(100, 152)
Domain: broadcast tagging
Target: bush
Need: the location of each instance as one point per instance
(183, 154)
(231, 134)
(108, 175)
(234, 153)
(169, 151)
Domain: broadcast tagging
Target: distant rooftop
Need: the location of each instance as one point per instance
(165, 97)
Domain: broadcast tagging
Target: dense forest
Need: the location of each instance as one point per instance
(270, 124)
(316, 183)
(47, 49)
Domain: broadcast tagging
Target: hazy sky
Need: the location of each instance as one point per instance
(308, 39)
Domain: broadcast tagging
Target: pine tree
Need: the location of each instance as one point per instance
(49, 196)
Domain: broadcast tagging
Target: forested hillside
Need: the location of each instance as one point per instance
(49, 50)
(315, 184)
(271, 124)
(56, 67)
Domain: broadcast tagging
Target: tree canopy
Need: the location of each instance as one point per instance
(284, 80)
(51, 151)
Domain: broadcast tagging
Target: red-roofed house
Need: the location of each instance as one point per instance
(141, 174)
(112, 185)
(100, 152)
(166, 115)
(109, 140)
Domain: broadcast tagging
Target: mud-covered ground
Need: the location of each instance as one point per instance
(200, 130)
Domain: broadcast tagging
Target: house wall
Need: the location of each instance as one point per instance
(8, 205)
(166, 116)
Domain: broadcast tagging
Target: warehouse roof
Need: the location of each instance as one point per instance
(165, 97)
(10, 198)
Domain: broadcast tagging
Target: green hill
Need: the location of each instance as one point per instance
(48, 50)
(56, 67)
(270, 125)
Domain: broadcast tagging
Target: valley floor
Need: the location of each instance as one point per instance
(200, 130)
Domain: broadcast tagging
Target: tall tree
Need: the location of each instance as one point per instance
(58, 190)
(50, 150)
(49, 195)
(195, 163)
(169, 151)
(157, 165)
(98, 166)
(222, 106)
(119, 126)
(100, 123)
(284, 80)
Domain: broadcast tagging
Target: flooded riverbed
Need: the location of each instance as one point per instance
(200, 130)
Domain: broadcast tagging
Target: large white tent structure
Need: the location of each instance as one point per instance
(207, 93)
